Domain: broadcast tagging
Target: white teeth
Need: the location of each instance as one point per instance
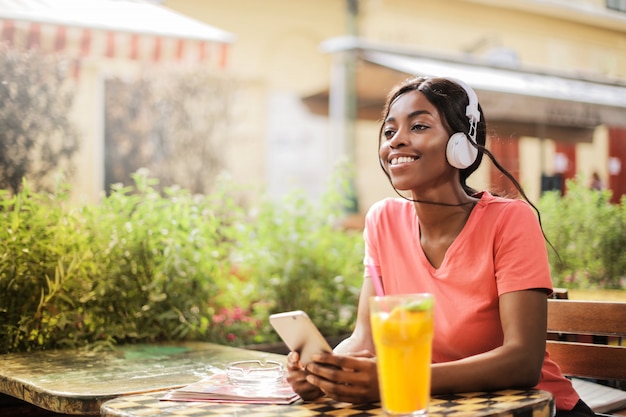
(402, 160)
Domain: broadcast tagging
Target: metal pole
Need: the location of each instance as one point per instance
(350, 104)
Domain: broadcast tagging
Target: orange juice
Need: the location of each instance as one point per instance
(402, 328)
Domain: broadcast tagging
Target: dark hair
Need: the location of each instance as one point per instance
(451, 100)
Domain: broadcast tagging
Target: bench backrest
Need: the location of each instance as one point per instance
(592, 318)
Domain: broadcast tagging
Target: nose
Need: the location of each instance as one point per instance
(398, 140)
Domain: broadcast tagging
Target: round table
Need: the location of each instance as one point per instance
(513, 403)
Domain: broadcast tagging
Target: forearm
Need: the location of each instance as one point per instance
(346, 346)
(361, 338)
(357, 342)
(517, 363)
(501, 368)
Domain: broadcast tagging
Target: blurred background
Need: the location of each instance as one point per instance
(277, 93)
(192, 166)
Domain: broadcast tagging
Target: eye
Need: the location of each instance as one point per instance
(419, 126)
(388, 133)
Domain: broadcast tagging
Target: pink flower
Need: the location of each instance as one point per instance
(237, 313)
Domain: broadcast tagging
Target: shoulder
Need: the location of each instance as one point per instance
(494, 206)
(509, 220)
(387, 214)
(389, 206)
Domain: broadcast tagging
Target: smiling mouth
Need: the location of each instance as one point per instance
(402, 160)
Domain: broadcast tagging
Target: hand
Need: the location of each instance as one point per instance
(347, 378)
(296, 376)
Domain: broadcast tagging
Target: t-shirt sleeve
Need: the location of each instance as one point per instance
(521, 258)
(370, 237)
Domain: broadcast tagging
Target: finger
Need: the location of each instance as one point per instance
(341, 391)
(310, 394)
(361, 375)
(327, 359)
(298, 382)
(355, 382)
(293, 361)
(353, 363)
(363, 354)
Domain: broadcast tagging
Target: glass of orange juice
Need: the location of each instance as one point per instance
(402, 327)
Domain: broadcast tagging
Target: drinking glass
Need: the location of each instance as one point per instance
(402, 328)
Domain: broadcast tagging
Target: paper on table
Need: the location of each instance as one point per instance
(217, 388)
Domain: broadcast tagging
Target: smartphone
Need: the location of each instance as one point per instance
(300, 334)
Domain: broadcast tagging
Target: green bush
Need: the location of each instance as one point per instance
(589, 234)
(139, 267)
(298, 260)
(147, 266)
(43, 262)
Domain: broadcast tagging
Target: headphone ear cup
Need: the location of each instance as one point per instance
(460, 152)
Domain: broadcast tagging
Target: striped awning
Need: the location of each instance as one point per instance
(130, 29)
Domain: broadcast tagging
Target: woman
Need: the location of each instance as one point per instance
(483, 257)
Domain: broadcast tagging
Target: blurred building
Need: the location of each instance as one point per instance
(312, 76)
(103, 39)
(550, 75)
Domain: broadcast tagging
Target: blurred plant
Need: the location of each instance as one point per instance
(589, 234)
(166, 258)
(36, 136)
(298, 258)
(44, 257)
(148, 266)
(142, 266)
(235, 325)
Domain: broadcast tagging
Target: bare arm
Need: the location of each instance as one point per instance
(517, 363)
(361, 338)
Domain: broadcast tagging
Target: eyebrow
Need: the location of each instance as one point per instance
(410, 115)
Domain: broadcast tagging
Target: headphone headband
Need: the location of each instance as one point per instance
(471, 111)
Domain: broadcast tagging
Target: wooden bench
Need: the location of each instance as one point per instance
(579, 326)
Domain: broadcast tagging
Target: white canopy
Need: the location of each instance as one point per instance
(132, 29)
(131, 16)
(540, 97)
(505, 92)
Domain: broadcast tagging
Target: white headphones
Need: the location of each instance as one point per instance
(462, 150)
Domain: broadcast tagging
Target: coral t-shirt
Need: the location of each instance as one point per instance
(500, 249)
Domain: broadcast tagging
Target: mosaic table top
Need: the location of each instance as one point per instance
(508, 403)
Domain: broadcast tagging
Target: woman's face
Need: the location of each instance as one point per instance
(413, 145)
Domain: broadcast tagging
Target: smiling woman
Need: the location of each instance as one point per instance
(483, 257)
(464, 142)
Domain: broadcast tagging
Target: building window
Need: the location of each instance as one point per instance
(619, 5)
